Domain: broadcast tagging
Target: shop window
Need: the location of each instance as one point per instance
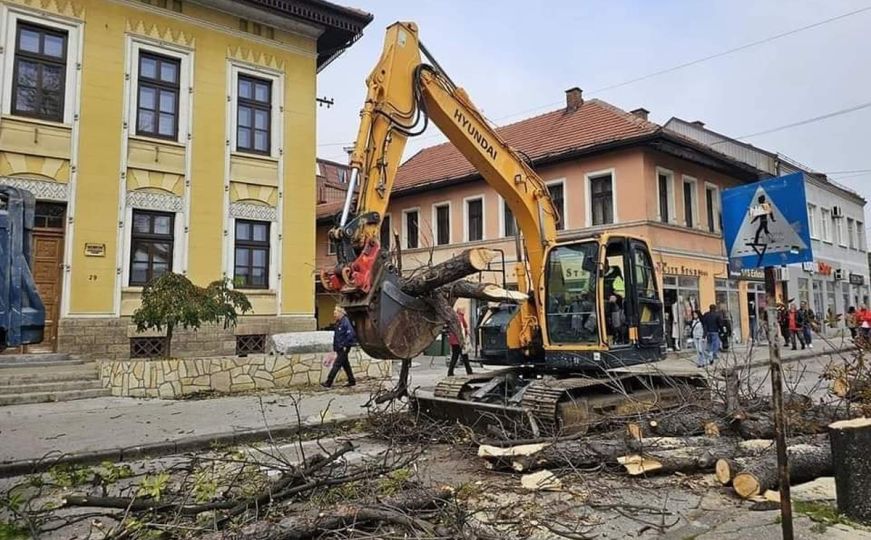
(151, 246)
(39, 73)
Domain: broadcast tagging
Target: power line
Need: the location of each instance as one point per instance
(678, 66)
(808, 120)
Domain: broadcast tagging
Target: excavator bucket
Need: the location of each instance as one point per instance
(390, 323)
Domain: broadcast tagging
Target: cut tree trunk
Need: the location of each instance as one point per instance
(851, 461)
(806, 462)
(683, 460)
(443, 273)
(484, 291)
(726, 468)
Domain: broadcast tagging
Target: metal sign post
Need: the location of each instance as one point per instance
(766, 225)
(776, 370)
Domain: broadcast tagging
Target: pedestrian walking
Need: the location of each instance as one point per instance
(697, 331)
(344, 337)
(783, 321)
(851, 322)
(713, 324)
(794, 324)
(458, 346)
(863, 320)
(808, 322)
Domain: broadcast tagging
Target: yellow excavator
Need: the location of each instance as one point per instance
(582, 343)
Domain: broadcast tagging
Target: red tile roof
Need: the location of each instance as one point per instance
(593, 123)
(557, 132)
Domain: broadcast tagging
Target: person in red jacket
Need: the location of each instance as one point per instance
(863, 321)
(795, 326)
(456, 346)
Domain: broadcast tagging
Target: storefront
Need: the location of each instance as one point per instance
(728, 296)
(687, 286)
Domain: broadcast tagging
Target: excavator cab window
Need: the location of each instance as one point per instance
(572, 275)
(616, 319)
(647, 304)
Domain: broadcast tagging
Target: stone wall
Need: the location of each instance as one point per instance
(109, 338)
(174, 378)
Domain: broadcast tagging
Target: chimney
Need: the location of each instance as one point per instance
(574, 99)
(698, 123)
(641, 112)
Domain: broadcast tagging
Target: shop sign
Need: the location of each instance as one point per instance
(665, 268)
(817, 267)
(746, 273)
(857, 279)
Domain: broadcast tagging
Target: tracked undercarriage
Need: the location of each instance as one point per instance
(519, 402)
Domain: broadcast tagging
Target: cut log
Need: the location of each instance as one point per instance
(443, 273)
(685, 460)
(686, 423)
(851, 461)
(806, 462)
(727, 468)
(484, 291)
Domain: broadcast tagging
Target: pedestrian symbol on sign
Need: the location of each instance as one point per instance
(765, 224)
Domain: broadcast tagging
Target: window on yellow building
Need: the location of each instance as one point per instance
(253, 117)
(252, 255)
(157, 105)
(39, 74)
(151, 246)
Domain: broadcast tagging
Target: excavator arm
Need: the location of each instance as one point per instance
(403, 95)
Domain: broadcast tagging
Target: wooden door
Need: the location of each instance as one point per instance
(48, 255)
(47, 264)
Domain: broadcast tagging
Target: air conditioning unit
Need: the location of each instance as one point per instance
(837, 211)
(839, 274)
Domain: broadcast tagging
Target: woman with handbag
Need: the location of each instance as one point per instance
(457, 350)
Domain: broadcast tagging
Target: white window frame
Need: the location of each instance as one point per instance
(137, 45)
(435, 225)
(842, 232)
(851, 239)
(276, 129)
(11, 15)
(825, 225)
(405, 227)
(717, 207)
(860, 235)
(812, 220)
(466, 201)
(694, 200)
(564, 217)
(178, 244)
(273, 255)
(672, 211)
(589, 201)
(502, 204)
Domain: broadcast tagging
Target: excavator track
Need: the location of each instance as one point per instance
(543, 398)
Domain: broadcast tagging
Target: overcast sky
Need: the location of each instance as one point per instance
(516, 58)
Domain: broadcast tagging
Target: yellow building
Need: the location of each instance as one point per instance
(166, 135)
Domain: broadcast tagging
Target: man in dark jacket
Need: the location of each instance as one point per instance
(344, 338)
(713, 323)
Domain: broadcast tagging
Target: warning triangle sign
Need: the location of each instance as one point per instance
(764, 230)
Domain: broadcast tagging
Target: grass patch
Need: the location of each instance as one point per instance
(11, 531)
(823, 515)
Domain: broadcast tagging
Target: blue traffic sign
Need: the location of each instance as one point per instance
(766, 223)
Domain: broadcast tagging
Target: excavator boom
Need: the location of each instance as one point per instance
(403, 95)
